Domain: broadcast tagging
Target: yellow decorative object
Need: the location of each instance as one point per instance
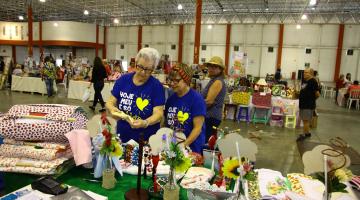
(230, 168)
(343, 174)
(118, 150)
(242, 98)
(141, 103)
(182, 117)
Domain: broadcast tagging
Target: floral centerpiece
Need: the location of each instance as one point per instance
(110, 152)
(241, 171)
(173, 156)
(334, 173)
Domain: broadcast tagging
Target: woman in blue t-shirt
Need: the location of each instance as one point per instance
(186, 109)
(140, 96)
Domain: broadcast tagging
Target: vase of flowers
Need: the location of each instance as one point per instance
(110, 149)
(175, 157)
(241, 171)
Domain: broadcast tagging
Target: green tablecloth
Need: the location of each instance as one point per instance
(75, 178)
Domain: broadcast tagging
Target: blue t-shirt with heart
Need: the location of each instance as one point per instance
(180, 112)
(138, 102)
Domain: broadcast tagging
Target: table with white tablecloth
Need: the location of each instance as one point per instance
(29, 84)
(77, 88)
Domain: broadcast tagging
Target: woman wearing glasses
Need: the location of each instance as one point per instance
(140, 96)
(185, 110)
(214, 94)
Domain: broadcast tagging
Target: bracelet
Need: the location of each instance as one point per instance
(146, 123)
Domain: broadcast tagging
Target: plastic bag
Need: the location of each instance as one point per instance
(86, 95)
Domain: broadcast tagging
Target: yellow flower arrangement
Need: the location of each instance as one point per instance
(230, 168)
(343, 174)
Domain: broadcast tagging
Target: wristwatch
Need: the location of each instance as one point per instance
(146, 123)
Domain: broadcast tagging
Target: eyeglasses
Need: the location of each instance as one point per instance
(174, 80)
(142, 68)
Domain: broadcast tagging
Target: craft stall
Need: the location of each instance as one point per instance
(85, 159)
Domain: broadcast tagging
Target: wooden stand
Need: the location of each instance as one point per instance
(138, 193)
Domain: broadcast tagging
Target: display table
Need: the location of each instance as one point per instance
(77, 88)
(29, 84)
(341, 97)
(75, 178)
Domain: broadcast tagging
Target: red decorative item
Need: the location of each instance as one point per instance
(155, 160)
(212, 142)
(260, 99)
(197, 158)
(104, 120)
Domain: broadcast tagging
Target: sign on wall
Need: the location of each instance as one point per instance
(239, 63)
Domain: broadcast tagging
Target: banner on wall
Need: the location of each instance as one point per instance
(238, 65)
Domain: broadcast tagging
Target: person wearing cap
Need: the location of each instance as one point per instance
(185, 110)
(214, 94)
(139, 97)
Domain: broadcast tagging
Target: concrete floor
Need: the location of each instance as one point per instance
(277, 148)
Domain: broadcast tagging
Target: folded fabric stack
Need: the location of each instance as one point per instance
(34, 138)
(41, 158)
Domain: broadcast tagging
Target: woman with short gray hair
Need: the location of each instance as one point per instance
(139, 98)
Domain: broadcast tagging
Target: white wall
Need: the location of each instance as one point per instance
(13, 31)
(69, 31)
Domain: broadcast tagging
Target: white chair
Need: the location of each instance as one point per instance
(354, 96)
(328, 90)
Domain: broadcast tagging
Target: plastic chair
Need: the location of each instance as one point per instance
(243, 99)
(277, 116)
(262, 103)
(354, 96)
(290, 116)
(328, 90)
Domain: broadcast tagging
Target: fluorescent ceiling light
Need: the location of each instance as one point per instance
(42, 1)
(180, 7)
(298, 26)
(209, 26)
(313, 8)
(21, 17)
(116, 21)
(304, 17)
(312, 2)
(266, 9)
(86, 12)
(56, 24)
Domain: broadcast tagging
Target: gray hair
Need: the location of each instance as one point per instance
(148, 53)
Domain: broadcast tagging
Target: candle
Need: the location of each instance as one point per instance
(238, 152)
(213, 161)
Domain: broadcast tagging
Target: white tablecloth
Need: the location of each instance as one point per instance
(29, 84)
(77, 88)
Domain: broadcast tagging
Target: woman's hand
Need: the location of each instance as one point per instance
(139, 123)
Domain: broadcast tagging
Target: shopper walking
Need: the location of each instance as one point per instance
(97, 79)
(48, 74)
(307, 101)
(140, 96)
(214, 94)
